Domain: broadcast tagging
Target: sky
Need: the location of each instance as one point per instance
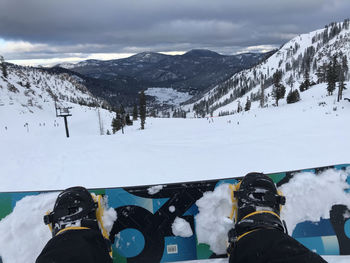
(47, 32)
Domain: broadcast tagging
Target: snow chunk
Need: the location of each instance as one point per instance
(24, 230)
(172, 209)
(155, 189)
(181, 228)
(212, 221)
(109, 216)
(310, 197)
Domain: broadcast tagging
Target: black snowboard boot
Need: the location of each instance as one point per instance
(257, 205)
(74, 208)
(77, 229)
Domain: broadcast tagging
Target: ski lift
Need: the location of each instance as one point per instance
(63, 112)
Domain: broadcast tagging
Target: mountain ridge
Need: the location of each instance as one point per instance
(306, 54)
(193, 72)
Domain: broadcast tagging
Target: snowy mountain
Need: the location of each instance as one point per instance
(32, 88)
(305, 57)
(194, 72)
(28, 97)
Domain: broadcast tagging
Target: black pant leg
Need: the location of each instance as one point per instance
(76, 246)
(272, 246)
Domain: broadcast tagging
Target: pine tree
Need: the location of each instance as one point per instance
(290, 81)
(128, 121)
(142, 109)
(331, 77)
(3, 67)
(239, 107)
(116, 124)
(278, 90)
(293, 96)
(247, 105)
(262, 95)
(345, 67)
(135, 113)
(341, 85)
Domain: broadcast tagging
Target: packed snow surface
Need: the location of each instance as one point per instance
(38, 156)
(181, 228)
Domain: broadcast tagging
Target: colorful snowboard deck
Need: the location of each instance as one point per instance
(143, 231)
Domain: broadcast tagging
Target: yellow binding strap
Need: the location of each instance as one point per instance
(71, 228)
(234, 202)
(246, 233)
(261, 212)
(99, 214)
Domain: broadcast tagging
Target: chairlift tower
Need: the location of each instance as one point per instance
(63, 112)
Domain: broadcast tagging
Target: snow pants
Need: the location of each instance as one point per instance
(76, 246)
(272, 246)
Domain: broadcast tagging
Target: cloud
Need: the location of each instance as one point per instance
(44, 29)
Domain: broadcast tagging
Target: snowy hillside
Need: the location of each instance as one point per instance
(305, 56)
(27, 102)
(31, 88)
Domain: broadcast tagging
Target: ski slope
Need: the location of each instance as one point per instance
(313, 132)
(310, 133)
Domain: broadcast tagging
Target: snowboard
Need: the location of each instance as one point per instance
(145, 214)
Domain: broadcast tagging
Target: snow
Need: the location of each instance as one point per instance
(154, 189)
(327, 188)
(21, 235)
(23, 232)
(168, 96)
(181, 228)
(212, 221)
(340, 44)
(288, 137)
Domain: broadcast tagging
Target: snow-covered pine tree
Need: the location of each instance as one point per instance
(142, 109)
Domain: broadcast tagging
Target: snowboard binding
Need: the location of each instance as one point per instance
(256, 204)
(76, 208)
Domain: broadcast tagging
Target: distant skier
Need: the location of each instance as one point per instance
(259, 235)
(77, 235)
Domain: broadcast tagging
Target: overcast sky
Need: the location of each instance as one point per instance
(48, 31)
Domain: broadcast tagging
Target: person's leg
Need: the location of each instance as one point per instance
(272, 246)
(77, 230)
(76, 246)
(259, 235)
